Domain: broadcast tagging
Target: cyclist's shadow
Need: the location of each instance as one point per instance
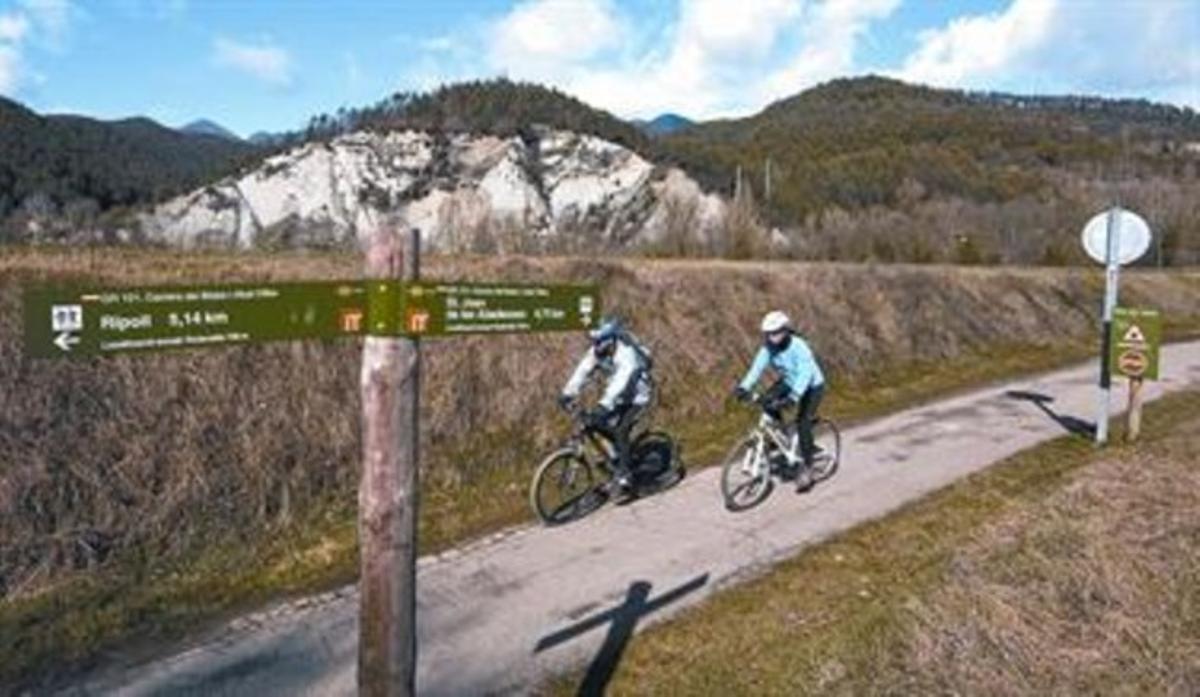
(622, 621)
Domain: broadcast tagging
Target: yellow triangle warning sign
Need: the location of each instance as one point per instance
(1134, 335)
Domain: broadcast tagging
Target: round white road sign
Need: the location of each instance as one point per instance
(1132, 242)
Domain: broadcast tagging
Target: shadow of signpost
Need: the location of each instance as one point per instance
(622, 621)
(1070, 424)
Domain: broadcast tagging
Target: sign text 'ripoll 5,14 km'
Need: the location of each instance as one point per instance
(63, 321)
(70, 322)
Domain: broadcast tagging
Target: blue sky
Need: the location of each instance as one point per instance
(270, 65)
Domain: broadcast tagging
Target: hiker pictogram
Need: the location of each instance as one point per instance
(1134, 335)
(1134, 343)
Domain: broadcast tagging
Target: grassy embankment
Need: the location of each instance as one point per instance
(140, 496)
(1063, 570)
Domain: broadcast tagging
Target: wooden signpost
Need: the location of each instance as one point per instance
(393, 308)
(1136, 337)
(387, 493)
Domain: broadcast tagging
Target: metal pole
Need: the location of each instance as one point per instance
(387, 494)
(1111, 278)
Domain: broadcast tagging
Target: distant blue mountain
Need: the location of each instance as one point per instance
(265, 139)
(663, 124)
(208, 128)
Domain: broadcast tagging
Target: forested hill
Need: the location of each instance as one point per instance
(861, 168)
(499, 107)
(861, 142)
(49, 164)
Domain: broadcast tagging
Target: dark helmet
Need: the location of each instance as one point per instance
(604, 337)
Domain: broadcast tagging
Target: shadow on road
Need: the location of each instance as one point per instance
(1070, 424)
(622, 620)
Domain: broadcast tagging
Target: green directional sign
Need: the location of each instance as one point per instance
(87, 322)
(1136, 336)
(446, 309)
(73, 322)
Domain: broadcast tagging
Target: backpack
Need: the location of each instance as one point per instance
(644, 355)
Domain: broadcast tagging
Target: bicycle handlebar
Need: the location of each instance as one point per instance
(755, 397)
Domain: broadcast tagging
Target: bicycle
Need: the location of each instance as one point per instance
(576, 479)
(771, 448)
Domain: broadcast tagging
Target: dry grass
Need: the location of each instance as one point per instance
(133, 489)
(1097, 590)
(1064, 570)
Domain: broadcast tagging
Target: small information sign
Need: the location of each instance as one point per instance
(1136, 335)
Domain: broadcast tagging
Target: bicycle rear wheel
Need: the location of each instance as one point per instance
(828, 440)
(563, 488)
(745, 481)
(656, 464)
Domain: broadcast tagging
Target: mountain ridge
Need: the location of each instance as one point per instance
(49, 163)
(211, 128)
(862, 147)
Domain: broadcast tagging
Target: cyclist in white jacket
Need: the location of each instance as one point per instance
(626, 395)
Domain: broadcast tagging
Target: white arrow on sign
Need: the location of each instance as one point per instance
(65, 341)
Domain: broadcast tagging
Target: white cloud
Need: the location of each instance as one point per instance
(734, 27)
(716, 39)
(52, 19)
(265, 61)
(43, 24)
(718, 58)
(10, 69)
(830, 39)
(697, 65)
(13, 28)
(547, 32)
(1149, 49)
(970, 47)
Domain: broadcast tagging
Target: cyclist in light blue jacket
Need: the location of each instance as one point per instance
(799, 381)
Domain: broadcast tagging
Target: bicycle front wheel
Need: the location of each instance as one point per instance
(562, 488)
(745, 478)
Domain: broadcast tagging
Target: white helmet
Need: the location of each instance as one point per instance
(775, 321)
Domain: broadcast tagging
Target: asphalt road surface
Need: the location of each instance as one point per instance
(501, 614)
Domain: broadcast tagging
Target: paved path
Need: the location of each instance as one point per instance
(498, 615)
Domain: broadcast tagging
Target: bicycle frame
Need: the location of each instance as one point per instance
(769, 451)
(768, 431)
(583, 435)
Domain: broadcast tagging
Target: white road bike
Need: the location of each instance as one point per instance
(772, 449)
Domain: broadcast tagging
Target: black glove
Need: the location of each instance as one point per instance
(597, 418)
(741, 394)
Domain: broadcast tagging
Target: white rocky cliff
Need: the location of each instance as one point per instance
(558, 190)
